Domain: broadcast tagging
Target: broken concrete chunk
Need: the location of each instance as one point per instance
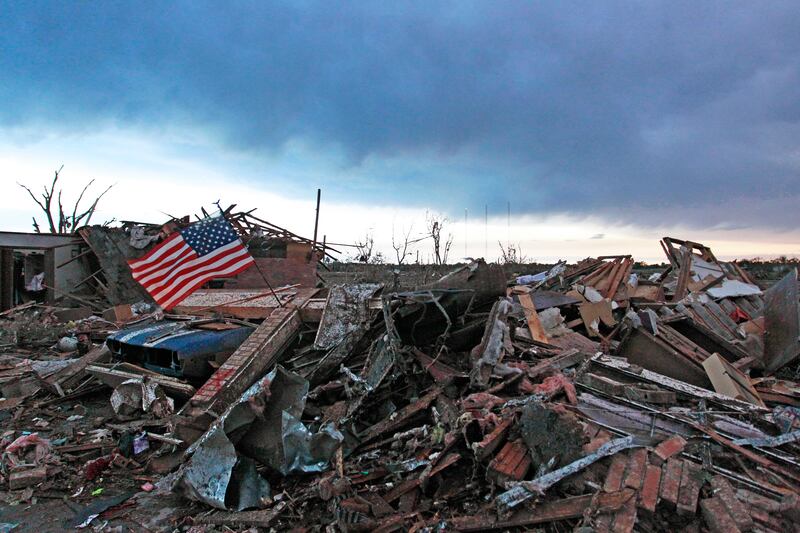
(553, 322)
(552, 437)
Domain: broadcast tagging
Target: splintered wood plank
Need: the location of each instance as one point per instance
(553, 511)
(534, 324)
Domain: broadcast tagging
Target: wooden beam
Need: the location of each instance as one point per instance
(534, 324)
(547, 512)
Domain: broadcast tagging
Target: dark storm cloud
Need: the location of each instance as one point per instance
(643, 112)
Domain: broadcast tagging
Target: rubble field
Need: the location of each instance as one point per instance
(585, 397)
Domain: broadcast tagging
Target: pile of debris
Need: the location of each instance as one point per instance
(582, 397)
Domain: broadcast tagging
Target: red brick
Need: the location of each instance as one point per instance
(27, 478)
(295, 268)
(634, 474)
(615, 473)
(690, 488)
(670, 447)
(724, 491)
(595, 443)
(671, 480)
(625, 518)
(512, 463)
(717, 517)
(648, 496)
(622, 520)
(491, 441)
(766, 521)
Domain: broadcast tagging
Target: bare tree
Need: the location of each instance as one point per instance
(60, 221)
(435, 225)
(364, 248)
(446, 250)
(402, 244)
(512, 254)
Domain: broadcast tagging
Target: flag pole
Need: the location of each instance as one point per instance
(274, 294)
(255, 262)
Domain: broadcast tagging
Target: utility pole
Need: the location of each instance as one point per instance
(465, 232)
(316, 221)
(485, 232)
(508, 230)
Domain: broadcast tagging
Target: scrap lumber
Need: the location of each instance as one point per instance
(66, 378)
(547, 512)
(260, 518)
(113, 377)
(730, 381)
(534, 324)
(403, 417)
(397, 412)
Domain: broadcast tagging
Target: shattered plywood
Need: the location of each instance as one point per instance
(782, 323)
(346, 311)
(534, 324)
(728, 380)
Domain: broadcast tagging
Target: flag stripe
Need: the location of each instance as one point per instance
(156, 252)
(219, 264)
(193, 263)
(156, 269)
(184, 255)
(232, 270)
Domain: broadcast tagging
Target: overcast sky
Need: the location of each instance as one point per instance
(605, 125)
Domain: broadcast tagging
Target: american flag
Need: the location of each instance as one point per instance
(190, 257)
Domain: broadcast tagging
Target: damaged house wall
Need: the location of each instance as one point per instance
(112, 248)
(294, 265)
(28, 254)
